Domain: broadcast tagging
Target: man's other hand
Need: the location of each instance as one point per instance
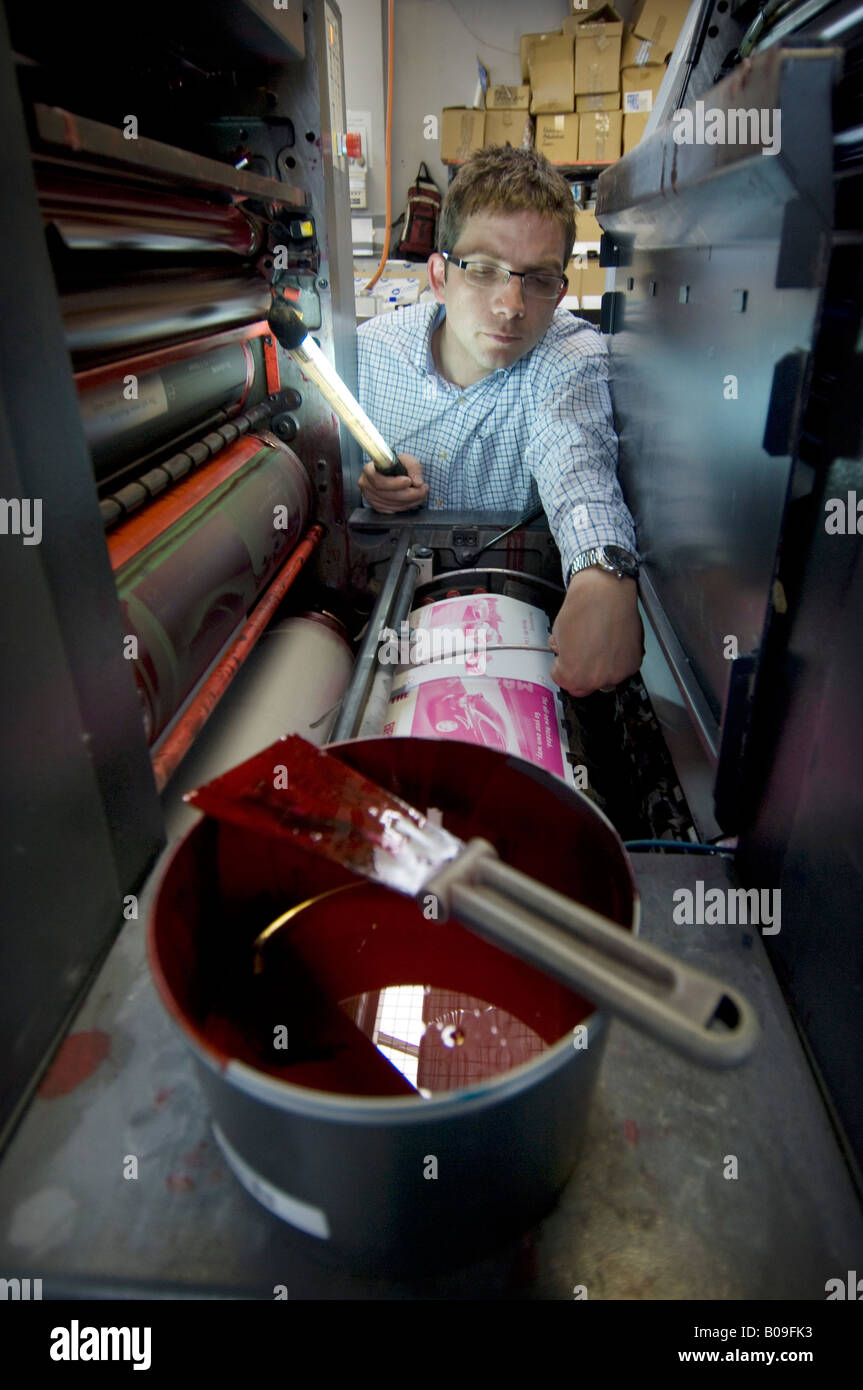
(394, 494)
(597, 636)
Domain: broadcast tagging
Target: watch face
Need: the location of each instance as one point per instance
(620, 559)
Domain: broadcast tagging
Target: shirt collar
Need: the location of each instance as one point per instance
(426, 357)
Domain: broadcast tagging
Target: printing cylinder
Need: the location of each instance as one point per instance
(155, 310)
(187, 592)
(168, 400)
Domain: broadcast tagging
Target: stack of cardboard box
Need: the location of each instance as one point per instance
(598, 36)
(507, 116)
(590, 85)
(575, 82)
(647, 46)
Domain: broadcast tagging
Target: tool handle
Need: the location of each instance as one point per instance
(640, 983)
(295, 339)
(390, 468)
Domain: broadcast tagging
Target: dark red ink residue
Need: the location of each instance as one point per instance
(179, 1182)
(79, 1056)
(325, 807)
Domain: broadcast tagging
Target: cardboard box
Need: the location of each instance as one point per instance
(591, 277)
(597, 52)
(526, 45)
(634, 52)
(585, 278)
(550, 67)
(557, 137)
(507, 98)
(509, 128)
(462, 130)
(633, 130)
(599, 136)
(600, 101)
(586, 226)
(660, 21)
(640, 88)
(568, 25)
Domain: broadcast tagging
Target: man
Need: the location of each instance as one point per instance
(494, 397)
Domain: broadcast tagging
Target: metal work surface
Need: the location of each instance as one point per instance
(648, 1213)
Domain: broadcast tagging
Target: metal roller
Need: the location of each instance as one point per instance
(92, 214)
(167, 401)
(292, 683)
(115, 319)
(187, 591)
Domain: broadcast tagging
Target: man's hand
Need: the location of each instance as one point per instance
(394, 494)
(597, 636)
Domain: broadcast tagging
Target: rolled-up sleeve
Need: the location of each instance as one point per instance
(572, 454)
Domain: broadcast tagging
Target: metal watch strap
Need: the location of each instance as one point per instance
(599, 558)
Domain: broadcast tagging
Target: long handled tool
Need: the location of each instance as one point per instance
(295, 339)
(331, 810)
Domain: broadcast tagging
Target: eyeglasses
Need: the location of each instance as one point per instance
(536, 284)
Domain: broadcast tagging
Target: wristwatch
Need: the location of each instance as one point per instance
(612, 558)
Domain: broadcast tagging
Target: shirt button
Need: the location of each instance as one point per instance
(461, 400)
(444, 454)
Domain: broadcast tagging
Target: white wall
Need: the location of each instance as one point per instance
(364, 47)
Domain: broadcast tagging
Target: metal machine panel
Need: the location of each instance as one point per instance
(721, 256)
(81, 821)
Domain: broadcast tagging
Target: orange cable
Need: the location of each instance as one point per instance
(390, 64)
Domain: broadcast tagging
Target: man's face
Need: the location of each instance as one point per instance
(486, 329)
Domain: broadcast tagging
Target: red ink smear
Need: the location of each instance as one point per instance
(162, 1096)
(79, 1056)
(195, 1157)
(630, 1130)
(179, 1182)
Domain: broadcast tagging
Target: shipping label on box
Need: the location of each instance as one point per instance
(551, 77)
(640, 88)
(501, 98)
(599, 136)
(597, 52)
(509, 128)
(600, 101)
(557, 137)
(462, 130)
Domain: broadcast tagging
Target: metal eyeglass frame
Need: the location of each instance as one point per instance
(503, 276)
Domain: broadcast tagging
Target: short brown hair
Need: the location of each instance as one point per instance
(499, 178)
